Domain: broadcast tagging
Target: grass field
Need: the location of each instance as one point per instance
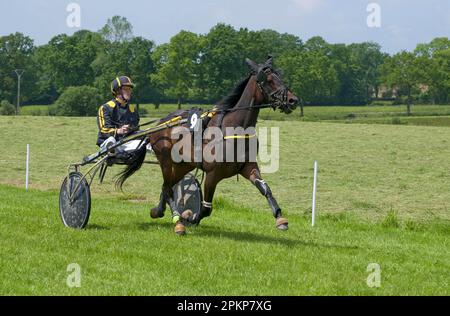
(382, 198)
(235, 252)
(35, 110)
(405, 120)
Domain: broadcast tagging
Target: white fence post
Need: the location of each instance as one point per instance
(314, 194)
(27, 169)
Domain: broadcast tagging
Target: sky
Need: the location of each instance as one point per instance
(395, 24)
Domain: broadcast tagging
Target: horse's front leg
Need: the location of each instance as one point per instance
(251, 172)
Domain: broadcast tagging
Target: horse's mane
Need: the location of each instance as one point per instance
(232, 99)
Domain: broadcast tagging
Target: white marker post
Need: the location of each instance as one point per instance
(314, 194)
(28, 162)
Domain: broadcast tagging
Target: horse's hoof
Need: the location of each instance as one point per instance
(282, 223)
(156, 213)
(180, 229)
(282, 227)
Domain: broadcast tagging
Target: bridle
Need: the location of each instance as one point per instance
(277, 98)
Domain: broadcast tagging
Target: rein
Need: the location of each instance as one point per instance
(261, 106)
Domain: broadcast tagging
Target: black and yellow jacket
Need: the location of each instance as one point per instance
(113, 115)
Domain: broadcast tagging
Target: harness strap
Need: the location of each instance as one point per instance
(170, 121)
(239, 136)
(209, 114)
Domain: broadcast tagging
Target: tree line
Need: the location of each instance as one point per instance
(202, 68)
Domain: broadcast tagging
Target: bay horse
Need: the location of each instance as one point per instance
(262, 88)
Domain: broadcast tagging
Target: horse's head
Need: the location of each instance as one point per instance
(272, 87)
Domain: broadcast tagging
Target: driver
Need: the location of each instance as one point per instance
(117, 118)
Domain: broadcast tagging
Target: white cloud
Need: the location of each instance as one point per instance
(307, 5)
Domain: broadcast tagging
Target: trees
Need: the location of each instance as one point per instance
(94, 59)
(66, 60)
(16, 52)
(258, 44)
(176, 64)
(222, 61)
(351, 88)
(434, 65)
(311, 76)
(117, 30)
(125, 54)
(441, 81)
(436, 45)
(368, 59)
(133, 59)
(7, 108)
(402, 71)
(78, 101)
(205, 67)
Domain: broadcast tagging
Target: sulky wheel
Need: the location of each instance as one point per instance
(188, 195)
(75, 201)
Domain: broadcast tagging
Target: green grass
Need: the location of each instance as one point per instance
(382, 198)
(35, 110)
(235, 252)
(396, 120)
(349, 113)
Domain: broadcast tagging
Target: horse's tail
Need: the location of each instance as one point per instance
(133, 166)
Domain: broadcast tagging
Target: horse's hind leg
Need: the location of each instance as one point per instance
(251, 172)
(158, 211)
(166, 195)
(172, 174)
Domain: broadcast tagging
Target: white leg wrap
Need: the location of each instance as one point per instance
(207, 204)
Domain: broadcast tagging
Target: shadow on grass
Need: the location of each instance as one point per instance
(149, 225)
(265, 239)
(215, 232)
(97, 227)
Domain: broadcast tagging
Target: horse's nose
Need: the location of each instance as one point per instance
(293, 101)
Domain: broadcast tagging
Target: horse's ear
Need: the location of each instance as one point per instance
(269, 61)
(251, 64)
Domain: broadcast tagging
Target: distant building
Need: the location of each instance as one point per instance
(385, 92)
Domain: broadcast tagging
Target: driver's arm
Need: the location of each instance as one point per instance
(105, 121)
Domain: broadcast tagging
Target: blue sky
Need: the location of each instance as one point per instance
(403, 23)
